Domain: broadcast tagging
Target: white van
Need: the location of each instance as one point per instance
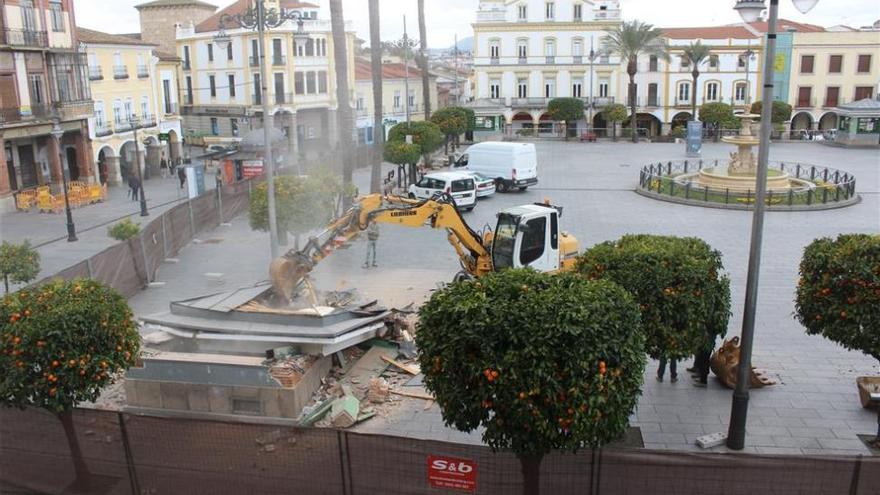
(460, 185)
(512, 165)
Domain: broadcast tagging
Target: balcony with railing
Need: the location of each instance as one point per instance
(809, 102)
(143, 71)
(25, 37)
(601, 101)
(577, 59)
(492, 15)
(522, 60)
(254, 61)
(494, 61)
(120, 72)
(147, 121)
(550, 59)
(281, 98)
(188, 99)
(122, 125)
(279, 60)
(96, 73)
(103, 129)
(23, 114)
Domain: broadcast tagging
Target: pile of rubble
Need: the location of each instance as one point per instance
(369, 380)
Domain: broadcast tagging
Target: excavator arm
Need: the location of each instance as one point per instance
(289, 271)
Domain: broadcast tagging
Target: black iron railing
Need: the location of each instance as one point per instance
(819, 186)
(25, 37)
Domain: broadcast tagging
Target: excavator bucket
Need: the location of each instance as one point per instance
(287, 274)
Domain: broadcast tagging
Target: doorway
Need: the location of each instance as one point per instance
(72, 165)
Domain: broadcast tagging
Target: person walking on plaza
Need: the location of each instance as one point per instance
(181, 174)
(372, 238)
(163, 167)
(673, 369)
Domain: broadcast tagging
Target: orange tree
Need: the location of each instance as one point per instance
(838, 295)
(678, 282)
(60, 344)
(542, 362)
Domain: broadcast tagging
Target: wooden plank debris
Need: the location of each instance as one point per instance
(412, 370)
(415, 395)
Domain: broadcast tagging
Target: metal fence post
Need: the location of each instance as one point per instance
(727, 196)
(798, 174)
(220, 202)
(687, 191)
(790, 197)
(706, 194)
(192, 220)
(164, 239)
(146, 261)
(129, 458)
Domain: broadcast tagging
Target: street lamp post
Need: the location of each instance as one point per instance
(135, 122)
(57, 133)
(258, 17)
(750, 10)
(748, 54)
(592, 103)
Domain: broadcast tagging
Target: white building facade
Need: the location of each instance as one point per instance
(530, 51)
(221, 86)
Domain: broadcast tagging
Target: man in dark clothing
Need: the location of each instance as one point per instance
(703, 361)
(181, 174)
(134, 185)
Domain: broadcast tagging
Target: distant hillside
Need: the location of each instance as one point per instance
(464, 45)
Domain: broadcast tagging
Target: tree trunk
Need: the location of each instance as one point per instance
(6, 283)
(343, 94)
(531, 472)
(696, 76)
(378, 124)
(614, 132)
(633, 121)
(423, 61)
(82, 484)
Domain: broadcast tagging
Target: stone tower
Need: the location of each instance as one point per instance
(159, 19)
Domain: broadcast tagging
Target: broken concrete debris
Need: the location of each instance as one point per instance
(344, 411)
(378, 391)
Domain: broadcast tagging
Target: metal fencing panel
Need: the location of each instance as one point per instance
(34, 452)
(118, 267)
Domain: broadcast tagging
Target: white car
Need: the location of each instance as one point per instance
(460, 185)
(485, 185)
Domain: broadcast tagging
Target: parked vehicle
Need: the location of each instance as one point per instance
(485, 185)
(512, 165)
(461, 185)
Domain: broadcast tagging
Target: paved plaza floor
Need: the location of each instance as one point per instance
(813, 409)
(48, 231)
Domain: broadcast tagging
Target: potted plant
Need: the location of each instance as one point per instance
(838, 296)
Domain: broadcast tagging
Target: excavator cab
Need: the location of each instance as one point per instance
(529, 236)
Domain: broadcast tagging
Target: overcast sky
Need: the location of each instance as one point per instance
(446, 18)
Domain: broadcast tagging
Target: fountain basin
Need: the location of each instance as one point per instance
(725, 179)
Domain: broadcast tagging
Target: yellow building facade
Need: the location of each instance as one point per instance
(122, 72)
(830, 69)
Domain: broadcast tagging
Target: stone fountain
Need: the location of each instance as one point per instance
(740, 174)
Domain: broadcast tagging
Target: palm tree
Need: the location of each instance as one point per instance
(343, 113)
(629, 40)
(378, 124)
(423, 60)
(696, 53)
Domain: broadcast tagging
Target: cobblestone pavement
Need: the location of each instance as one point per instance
(814, 408)
(48, 231)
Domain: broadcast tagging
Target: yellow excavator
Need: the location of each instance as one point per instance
(525, 236)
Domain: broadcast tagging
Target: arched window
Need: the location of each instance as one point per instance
(495, 48)
(713, 90)
(522, 49)
(577, 47)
